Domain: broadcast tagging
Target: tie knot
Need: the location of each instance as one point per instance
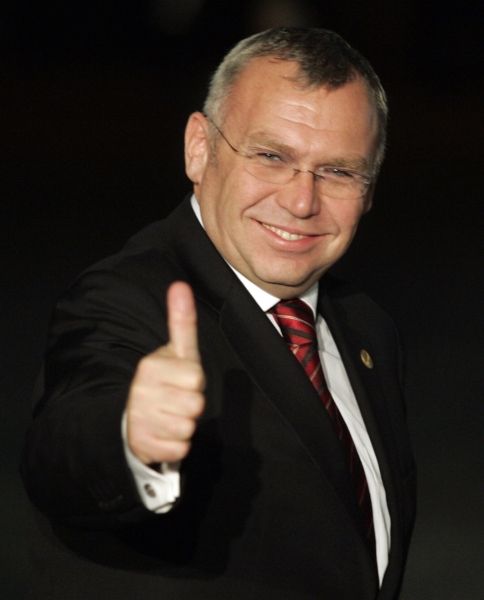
(295, 318)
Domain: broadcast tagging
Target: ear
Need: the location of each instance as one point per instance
(197, 147)
(369, 198)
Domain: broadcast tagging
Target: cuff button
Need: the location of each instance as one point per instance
(149, 490)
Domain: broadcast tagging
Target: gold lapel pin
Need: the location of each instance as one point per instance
(366, 359)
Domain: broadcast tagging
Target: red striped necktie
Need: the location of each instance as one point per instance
(295, 318)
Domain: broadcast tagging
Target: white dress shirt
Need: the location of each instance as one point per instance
(159, 490)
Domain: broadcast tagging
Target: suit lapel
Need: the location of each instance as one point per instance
(351, 338)
(285, 385)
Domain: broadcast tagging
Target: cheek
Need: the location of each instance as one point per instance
(347, 216)
(243, 199)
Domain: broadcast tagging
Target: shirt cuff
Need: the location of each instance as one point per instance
(158, 490)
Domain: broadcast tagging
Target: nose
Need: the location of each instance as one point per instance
(299, 196)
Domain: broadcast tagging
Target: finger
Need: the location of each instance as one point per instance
(167, 400)
(183, 404)
(182, 321)
(166, 451)
(161, 368)
(153, 450)
(174, 428)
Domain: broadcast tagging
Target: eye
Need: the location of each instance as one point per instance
(337, 173)
(269, 157)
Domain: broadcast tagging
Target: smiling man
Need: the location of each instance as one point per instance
(265, 203)
(219, 414)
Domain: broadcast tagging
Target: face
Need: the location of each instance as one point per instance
(281, 237)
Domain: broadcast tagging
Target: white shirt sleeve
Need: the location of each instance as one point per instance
(158, 490)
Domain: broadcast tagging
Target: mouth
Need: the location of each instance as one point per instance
(282, 233)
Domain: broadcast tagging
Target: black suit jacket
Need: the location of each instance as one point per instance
(266, 509)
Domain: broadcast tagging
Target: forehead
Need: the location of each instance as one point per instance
(269, 94)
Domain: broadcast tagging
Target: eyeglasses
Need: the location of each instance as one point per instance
(272, 167)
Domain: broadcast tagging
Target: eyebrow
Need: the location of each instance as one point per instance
(359, 164)
(261, 138)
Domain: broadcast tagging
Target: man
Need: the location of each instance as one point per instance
(184, 432)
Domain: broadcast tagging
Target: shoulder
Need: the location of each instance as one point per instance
(123, 294)
(148, 261)
(351, 300)
(151, 251)
(356, 318)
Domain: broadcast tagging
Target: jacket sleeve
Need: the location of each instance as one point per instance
(73, 465)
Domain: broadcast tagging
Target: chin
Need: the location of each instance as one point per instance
(294, 283)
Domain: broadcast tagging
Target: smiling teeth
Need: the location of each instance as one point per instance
(285, 235)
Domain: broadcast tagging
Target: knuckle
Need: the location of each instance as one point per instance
(183, 448)
(180, 429)
(197, 377)
(147, 365)
(196, 404)
(136, 397)
(174, 451)
(187, 429)
(138, 447)
(141, 402)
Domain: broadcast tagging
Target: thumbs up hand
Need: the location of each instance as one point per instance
(166, 393)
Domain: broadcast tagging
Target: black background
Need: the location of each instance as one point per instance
(94, 100)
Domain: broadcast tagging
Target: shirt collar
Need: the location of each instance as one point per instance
(264, 300)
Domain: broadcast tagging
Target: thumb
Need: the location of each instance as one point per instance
(182, 321)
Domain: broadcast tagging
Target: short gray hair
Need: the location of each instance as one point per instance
(324, 59)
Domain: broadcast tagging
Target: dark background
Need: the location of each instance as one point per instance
(93, 104)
